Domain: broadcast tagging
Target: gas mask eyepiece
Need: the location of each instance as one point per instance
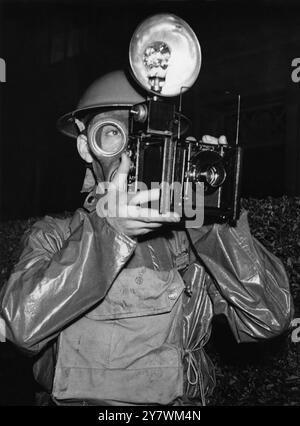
(107, 137)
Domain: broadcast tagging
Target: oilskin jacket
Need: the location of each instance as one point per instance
(114, 321)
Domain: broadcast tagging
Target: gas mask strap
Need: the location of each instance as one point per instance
(79, 124)
(89, 180)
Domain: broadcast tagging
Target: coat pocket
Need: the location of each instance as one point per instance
(139, 292)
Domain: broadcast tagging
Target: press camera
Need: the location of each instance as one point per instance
(165, 59)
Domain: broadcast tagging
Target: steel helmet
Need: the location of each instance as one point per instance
(113, 90)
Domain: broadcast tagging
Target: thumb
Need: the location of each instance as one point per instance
(120, 178)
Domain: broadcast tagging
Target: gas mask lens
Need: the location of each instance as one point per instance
(107, 138)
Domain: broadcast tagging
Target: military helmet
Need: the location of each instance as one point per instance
(113, 90)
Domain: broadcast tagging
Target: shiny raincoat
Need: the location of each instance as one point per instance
(69, 266)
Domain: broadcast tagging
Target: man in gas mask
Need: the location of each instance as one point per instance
(118, 307)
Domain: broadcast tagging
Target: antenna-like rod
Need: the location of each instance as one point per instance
(182, 89)
(238, 120)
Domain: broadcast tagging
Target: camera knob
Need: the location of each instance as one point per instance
(131, 174)
(139, 112)
(191, 174)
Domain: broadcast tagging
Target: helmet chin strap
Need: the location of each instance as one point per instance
(80, 125)
(89, 181)
(98, 171)
(93, 175)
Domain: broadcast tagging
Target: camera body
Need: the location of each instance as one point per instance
(160, 154)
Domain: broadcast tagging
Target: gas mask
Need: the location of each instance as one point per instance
(107, 137)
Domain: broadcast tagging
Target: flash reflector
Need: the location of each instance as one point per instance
(165, 55)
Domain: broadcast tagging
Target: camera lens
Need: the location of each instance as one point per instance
(209, 168)
(214, 175)
(107, 138)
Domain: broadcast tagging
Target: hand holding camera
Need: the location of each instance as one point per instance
(124, 211)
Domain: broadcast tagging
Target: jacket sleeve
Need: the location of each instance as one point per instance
(59, 276)
(248, 284)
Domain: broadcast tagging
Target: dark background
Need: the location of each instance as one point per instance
(53, 50)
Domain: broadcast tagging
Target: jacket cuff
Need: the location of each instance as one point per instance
(114, 247)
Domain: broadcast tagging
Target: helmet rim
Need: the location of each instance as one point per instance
(115, 89)
(66, 123)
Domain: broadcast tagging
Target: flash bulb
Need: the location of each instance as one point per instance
(165, 55)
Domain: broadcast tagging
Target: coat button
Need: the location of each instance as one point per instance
(173, 295)
(139, 280)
